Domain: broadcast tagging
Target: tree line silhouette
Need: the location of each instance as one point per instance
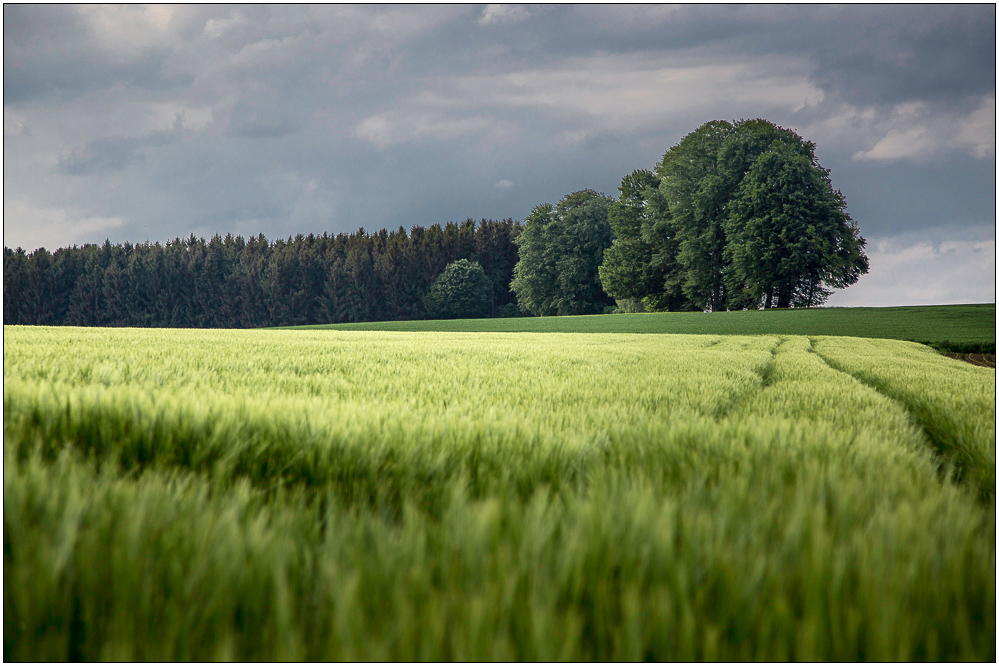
(232, 282)
(737, 215)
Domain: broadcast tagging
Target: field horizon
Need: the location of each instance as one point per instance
(957, 328)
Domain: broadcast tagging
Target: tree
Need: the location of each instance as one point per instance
(497, 254)
(695, 188)
(561, 249)
(790, 234)
(744, 216)
(235, 282)
(641, 262)
(461, 291)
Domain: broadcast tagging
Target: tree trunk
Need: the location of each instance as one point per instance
(784, 298)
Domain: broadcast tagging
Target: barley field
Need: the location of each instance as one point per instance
(379, 495)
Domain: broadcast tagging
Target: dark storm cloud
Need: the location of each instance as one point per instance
(940, 54)
(915, 197)
(136, 122)
(868, 54)
(44, 49)
(50, 51)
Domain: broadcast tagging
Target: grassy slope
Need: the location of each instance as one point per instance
(934, 324)
(268, 495)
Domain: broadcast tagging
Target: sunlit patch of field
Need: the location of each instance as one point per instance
(341, 495)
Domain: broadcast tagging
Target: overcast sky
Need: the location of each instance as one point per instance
(148, 123)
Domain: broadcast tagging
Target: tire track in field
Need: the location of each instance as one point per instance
(943, 448)
(836, 367)
(766, 373)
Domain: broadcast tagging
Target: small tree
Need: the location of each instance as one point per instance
(461, 291)
(561, 248)
(640, 268)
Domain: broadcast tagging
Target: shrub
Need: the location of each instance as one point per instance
(461, 291)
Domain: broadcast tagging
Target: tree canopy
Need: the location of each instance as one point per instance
(736, 215)
(232, 282)
(461, 291)
(561, 249)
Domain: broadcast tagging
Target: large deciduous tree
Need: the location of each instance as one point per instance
(695, 187)
(743, 216)
(790, 237)
(561, 249)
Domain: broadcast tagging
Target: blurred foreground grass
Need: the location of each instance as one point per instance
(329, 495)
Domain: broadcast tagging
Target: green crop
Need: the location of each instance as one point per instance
(959, 328)
(338, 495)
(953, 402)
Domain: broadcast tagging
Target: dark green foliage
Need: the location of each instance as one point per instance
(946, 346)
(231, 282)
(737, 215)
(696, 186)
(561, 249)
(509, 310)
(629, 306)
(789, 235)
(462, 291)
(641, 264)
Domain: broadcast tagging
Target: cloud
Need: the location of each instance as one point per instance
(124, 33)
(14, 124)
(595, 99)
(302, 199)
(892, 54)
(503, 14)
(913, 132)
(638, 91)
(904, 272)
(503, 184)
(111, 154)
(256, 120)
(173, 115)
(99, 155)
(395, 127)
(32, 227)
(216, 27)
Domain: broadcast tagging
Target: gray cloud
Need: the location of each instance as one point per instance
(937, 53)
(906, 271)
(152, 122)
(500, 13)
(112, 154)
(54, 52)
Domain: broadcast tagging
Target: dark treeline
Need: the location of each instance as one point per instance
(231, 282)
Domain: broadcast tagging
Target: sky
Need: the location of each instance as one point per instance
(146, 123)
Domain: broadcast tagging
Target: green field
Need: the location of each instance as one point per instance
(369, 495)
(953, 327)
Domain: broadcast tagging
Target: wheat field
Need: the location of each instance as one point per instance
(364, 495)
